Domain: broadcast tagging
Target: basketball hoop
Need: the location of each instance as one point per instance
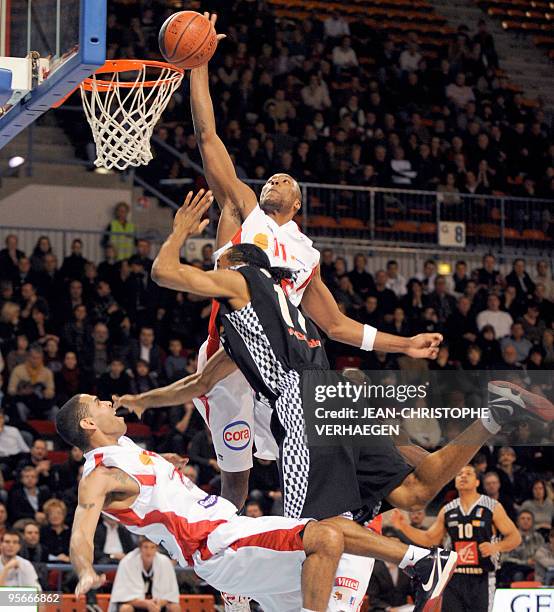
(123, 108)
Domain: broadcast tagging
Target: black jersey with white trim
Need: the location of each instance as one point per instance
(269, 335)
(468, 530)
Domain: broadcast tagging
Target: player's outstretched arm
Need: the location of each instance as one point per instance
(320, 305)
(167, 270)
(218, 166)
(92, 495)
(432, 537)
(217, 368)
(511, 538)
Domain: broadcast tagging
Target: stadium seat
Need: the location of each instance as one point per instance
(103, 601)
(138, 430)
(526, 584)
(197, 603)
(69, 603)
(428, 228)
(511, 234)
(410, 227)
(488, 230)
(44, 428)
(322, 222)
(352, 223)
(532, 234)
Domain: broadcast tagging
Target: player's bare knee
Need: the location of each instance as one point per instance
(329, 539)
(172, 607)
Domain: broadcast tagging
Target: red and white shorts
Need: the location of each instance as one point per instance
(262, 558)
(235, 420)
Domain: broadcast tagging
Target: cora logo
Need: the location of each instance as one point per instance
(236, 436)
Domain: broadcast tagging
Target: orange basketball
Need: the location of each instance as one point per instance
(187, 39)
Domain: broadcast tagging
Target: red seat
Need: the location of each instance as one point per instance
(197, 603)
(532, 234)
(45, 428)
(69, 603)
(140, 430)
(526, 584)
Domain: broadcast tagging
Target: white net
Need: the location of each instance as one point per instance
(123, 113)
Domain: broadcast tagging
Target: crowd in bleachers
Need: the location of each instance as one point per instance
(106, 328)
(337, 102)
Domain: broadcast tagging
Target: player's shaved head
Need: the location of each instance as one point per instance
(281, 197)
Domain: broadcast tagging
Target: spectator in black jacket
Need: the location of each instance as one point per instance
(145, 348)
(55, 535)
(38, 458)
(114, 382)
(111, 541)
(33, 550)
(9, 258)
(73, 266)
(26, 499)
(520, 279)
(461, 328)
(389, 587)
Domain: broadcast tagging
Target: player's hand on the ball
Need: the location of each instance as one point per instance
(89, 580)
(213, 19)
(424, 346)
(188, 220)
(131, 402)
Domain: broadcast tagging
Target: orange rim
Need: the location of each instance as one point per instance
(127, 65)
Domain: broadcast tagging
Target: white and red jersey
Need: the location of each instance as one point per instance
(285, 245)
(170, 509)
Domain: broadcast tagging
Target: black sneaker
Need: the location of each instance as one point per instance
(431, 575)
(507, 399)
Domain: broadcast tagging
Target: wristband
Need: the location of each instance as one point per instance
(369, 338)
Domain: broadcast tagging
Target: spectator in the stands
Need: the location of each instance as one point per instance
(111, 541)
(335, 26)
(10, 326)
(19, 353)
(544, 275)
(428, 276)
(3, 518)
(385, 297)
(15, 571)
(389, 587)
(31, 386)
(146, 348)
(12, 444)
(544, 561)
(492, 488)
(533, 325)
(73, 266)
(361, 279)
(24, 275)
(114, 382)
(108, 268)
(458, 92)
(520, 279)
(33, 550)
(443, 303)
(175, 364)
(120, 232)
(253, 509)
(38, 458)
(509, 359)
(518, 340)
(542, 507)
(9, 257)
(143, 253)
(487, 276)
(98, 354)
(77, 331)
(519, 563)
(42, 248)
(145, 579)
(460, 277)
(26, 499)
(344, 56)
(395, 281)
(50, 284)
(499, 320)
(489, 346)
(55, 534)
(513, 478)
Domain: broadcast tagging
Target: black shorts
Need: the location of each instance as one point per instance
(467, 593)
(343, 478)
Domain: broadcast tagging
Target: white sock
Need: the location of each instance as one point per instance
(490, 424)
(412, 556)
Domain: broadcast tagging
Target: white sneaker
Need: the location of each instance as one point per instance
(235, 603)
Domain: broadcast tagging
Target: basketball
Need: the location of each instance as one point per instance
(187, 39)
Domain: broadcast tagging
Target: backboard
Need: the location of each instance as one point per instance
(47, 47)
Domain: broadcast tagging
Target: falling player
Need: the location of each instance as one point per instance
(285, 564)
(473, 522)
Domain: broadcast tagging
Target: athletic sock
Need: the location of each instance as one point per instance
(412, 556)
(490, 424)
(306, 610)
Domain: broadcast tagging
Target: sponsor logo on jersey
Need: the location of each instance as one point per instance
(261, 240)
(479, 512)
(452, 523)
(146, 458)
(467, 553)
(347, 583)
(208, 501)
(236, 435)
(478, 523)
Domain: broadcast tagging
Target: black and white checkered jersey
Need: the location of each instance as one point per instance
(269, 337)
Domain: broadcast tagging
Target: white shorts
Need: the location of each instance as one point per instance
(262, 558)
(228, 409)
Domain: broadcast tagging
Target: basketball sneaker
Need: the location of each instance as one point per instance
(509, 403)
(235, 603)
(431, 575)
